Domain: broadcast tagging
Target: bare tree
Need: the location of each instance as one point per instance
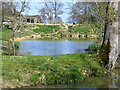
(13, 13)
(51, 11)
(81, 12)
(57, 10)
(46, 12)
(43, 15)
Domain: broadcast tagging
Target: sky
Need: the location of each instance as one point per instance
(35, 6)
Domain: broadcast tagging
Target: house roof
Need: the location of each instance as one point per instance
(32, 16)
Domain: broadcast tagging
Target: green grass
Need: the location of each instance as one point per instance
(6, 33)
(49, 70)
(46, 28)
(91, 29)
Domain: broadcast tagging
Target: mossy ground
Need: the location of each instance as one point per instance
(49, 70)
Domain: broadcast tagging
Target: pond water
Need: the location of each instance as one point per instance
(51, 47)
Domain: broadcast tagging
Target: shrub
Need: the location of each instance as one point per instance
(16, 44)
(93, 48)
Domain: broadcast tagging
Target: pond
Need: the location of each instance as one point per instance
(52, 47)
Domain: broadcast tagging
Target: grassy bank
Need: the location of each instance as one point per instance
(48, 70)
(46, 28)
(32, 29)
(91, 29)
(6, 33)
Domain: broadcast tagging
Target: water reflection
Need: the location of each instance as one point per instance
(43, 47)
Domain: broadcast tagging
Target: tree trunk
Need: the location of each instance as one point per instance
(55, 12)
(13, 44)
(109, 50)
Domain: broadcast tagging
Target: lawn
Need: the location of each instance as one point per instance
(46, 28)
(49, 70)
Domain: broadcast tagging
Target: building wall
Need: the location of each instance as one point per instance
(33, 19)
